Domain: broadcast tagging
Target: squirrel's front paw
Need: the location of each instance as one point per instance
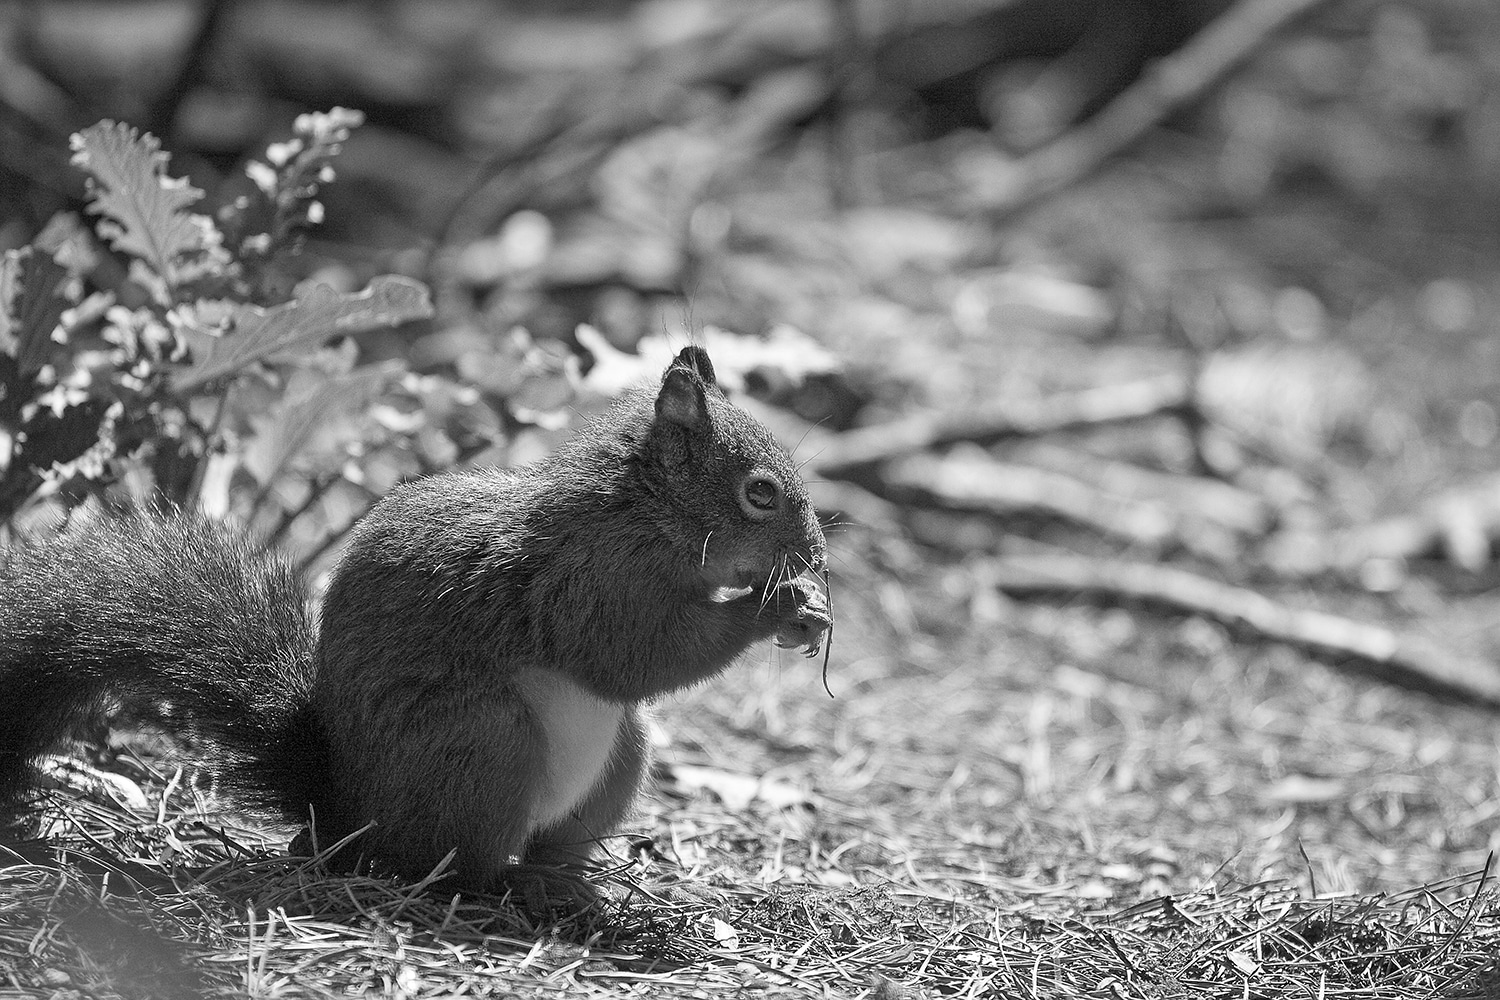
(806, 618)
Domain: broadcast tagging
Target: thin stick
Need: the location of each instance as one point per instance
(828, 640)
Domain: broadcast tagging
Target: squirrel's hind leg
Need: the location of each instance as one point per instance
(574, 840)
(445, 773)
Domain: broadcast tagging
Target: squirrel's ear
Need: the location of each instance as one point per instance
(695, 359)
(681, 400)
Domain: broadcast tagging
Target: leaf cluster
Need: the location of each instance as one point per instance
(167, 352)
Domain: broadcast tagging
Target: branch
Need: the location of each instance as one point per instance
(969, 480)
(1172, 82)
(852, 450)
(1405, 658)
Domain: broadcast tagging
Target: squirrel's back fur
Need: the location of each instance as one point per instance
(136, 604)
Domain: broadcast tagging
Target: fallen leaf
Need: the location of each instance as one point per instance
(738, 791)
(726, 935)
(94, 782)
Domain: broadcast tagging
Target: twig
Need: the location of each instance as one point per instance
(317, 489)
(1163, 395)
(212, 442)
(1162, 89)
(331, 538)
(1406, 657)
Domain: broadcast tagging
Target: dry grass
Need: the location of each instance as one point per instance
(252, 923)
(1027, 801)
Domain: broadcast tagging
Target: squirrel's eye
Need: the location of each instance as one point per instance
(761, 493)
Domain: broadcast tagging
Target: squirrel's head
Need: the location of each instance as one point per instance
(738, 500)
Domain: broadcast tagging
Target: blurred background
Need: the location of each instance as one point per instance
(1279, 220)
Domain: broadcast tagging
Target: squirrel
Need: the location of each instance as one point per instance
(486, 641)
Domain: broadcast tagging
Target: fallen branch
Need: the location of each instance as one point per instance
(969, 480)
(852, 450)
(1171, 83)
(1407, 658)
(1236, 508)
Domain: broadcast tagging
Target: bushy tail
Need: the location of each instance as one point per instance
(170, 615)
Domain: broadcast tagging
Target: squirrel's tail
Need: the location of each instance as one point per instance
(172, 617)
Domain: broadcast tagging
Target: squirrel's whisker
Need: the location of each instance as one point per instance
(805, 432)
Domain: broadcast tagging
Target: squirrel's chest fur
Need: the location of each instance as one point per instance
(579, 731)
